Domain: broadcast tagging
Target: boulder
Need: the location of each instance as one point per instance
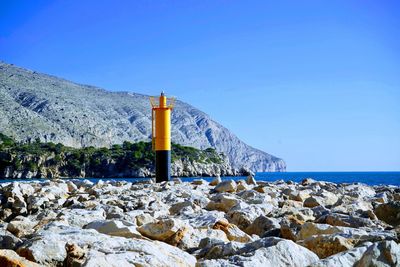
(194, 236)
(26, 189)
(144, 218)
(262, 226)
(21, 226)
(254, 197)
(290, 227)
(264, 252)
(47, 247)
(244, 215)
(309, 229)
(328, 198)
(114, 228)
(199, 182)
(6, 214)
(251, 180)
(76, 256)
(72, 188)
(360, 191)
(216, 249)
(343, 259)
(181, 206)
(18, 204)
(177, 180)
(389, 212)
(226, 186)
(381, 198)
(114, 212)
(232, 232)
(299, 195)
(357, 234)
(204, 219)
(163, 230)
(8, 240)
(337, 219)
(347, 204)
(81, 217)
(308, 181)
(327, 245)
(385, 253)
(55, 190)
(222, 202)
(313, 201)
(37, 203)
(216, 181)
(241, 185)
(9, 258)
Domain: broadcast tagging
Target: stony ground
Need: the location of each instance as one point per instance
(248, 223)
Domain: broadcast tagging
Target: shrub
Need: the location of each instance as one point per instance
(127, 155)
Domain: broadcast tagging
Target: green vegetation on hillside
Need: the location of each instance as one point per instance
(93, 161)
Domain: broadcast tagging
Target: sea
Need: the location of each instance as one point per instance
(369, 178)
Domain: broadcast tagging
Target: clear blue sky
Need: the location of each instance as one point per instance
(316, 83)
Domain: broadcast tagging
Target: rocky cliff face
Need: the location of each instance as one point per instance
(34, 105)
(48, 160)
(48, 167)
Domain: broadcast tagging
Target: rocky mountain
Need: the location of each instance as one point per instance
(35, 105)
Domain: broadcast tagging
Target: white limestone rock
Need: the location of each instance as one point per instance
(163, 229)
(232, 232)
(114, 228)
(81, 217)
(10, 258)
(262, 225)
(193, 237)
(222, 202)
(226, 186)
(21, 226)
(266, 252)
(343, 259)
(385, 253)
(47, 248)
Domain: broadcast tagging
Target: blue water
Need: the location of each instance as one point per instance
(370, 178)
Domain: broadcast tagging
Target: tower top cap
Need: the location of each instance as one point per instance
(162, 93)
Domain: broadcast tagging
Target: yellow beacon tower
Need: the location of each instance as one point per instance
(161, 135)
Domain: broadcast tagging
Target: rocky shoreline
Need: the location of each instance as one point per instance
(179, 168)
(222, 223)
(52, 161)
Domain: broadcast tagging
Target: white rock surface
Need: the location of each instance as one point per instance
(9, 258)
(114, 228)
(226, 186)
(276, 253)
(47, 247)
(180, 224)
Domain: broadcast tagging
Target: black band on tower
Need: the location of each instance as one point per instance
(163, 165)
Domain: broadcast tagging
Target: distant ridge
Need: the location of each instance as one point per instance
(35, 105)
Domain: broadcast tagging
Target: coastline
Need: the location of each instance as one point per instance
(389, 178)
(52, 161)
(220, 223)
